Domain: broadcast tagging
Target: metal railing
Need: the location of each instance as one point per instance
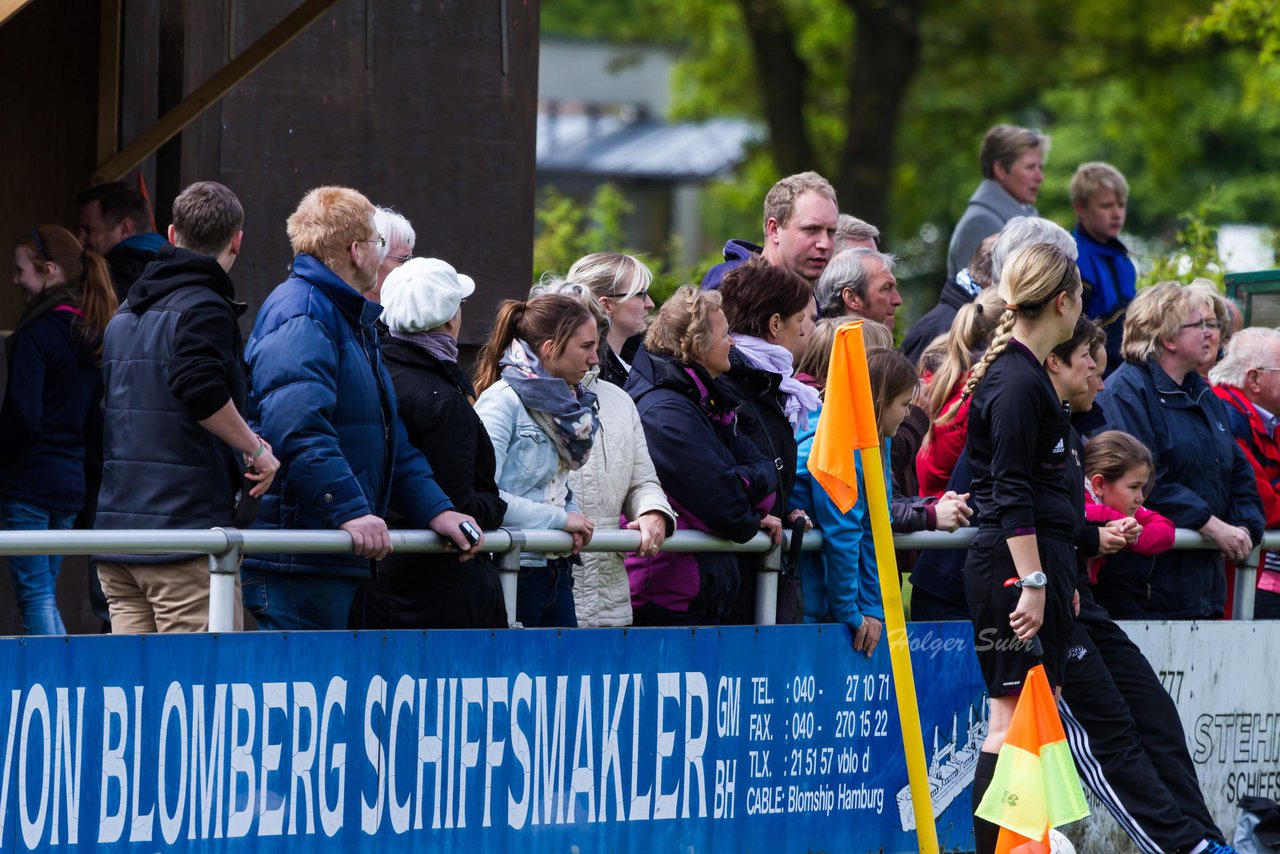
(226, 546)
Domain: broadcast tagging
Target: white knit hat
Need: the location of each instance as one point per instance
(423, 293)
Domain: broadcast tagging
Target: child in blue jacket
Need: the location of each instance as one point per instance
(840, 582)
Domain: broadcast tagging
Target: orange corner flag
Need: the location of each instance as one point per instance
(1035, 785)
(848, 419)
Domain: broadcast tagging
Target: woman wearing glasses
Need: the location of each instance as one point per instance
(1203, 480)
(52, 393)
(620, 283)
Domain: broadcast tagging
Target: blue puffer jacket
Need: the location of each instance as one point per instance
(324, 401)
(1200, 472)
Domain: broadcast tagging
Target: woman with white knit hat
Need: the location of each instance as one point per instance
(422, 307)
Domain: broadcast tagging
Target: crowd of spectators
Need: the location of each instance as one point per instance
(347, 408)
(1075, 420)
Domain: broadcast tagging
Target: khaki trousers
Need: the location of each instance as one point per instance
(145, 598)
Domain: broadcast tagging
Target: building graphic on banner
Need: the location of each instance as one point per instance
(951, 769)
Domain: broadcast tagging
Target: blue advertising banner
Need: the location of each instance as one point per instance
(734, 739)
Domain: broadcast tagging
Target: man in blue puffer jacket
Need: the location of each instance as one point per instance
(324, 401)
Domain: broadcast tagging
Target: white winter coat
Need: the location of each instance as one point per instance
(618, 478)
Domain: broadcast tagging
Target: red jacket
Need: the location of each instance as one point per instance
(1263, 453)
(1157, 531)
(937, 459)
(1259, 447)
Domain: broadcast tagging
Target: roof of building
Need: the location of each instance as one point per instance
(610, 145)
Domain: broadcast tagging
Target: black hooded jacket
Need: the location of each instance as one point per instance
(172, 357)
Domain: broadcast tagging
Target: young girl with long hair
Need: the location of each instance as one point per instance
(541, 421)
(1119, 471)
(840, 583)
(1020, 572)
(50, 403)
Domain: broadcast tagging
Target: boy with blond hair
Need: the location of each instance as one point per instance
(1099, 194)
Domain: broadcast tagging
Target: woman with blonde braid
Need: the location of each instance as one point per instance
(966, 342)
(1021, 569)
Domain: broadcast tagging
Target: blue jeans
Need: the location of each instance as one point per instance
(35, 577)
(293, 601)
(544, 596)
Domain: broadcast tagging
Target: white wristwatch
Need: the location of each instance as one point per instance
(1035, 580)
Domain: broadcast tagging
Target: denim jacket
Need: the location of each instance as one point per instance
(531, 478)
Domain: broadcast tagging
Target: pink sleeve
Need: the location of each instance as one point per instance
(1157, 533)
(1100, 514)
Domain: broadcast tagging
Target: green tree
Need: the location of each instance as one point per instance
(1196, 254)
(1118, 81)
(567, 229)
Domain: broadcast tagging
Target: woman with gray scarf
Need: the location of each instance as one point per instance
(542, 422)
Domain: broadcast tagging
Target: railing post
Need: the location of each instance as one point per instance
(509, 575)
(768, 566)
(1246, 586)
(223, 569)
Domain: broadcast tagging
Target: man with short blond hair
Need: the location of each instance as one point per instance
(325, 402)
(800, 216)
(1100, 195)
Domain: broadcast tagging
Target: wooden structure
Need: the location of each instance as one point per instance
(426, 107)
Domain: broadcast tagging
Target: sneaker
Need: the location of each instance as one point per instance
(1219, 848)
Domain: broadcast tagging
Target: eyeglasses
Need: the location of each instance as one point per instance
(380, 240)
(644, 294)
(35, 235)
(1203, 325)
(400, 259)
(1265, 370)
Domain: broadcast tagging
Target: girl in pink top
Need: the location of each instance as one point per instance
(1119, 471)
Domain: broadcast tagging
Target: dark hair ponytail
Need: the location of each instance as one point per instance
(85, 269)
(550, 317)
(505, 330)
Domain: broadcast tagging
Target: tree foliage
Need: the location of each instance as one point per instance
(1249, 22)
(1196, 254)
(568, 229)
(1180, 96)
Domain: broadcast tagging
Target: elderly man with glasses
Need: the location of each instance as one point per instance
(400, 239)
(325, 404)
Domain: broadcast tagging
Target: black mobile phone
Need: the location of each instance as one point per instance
(470, 531)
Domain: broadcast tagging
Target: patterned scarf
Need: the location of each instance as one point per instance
(567, 415)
